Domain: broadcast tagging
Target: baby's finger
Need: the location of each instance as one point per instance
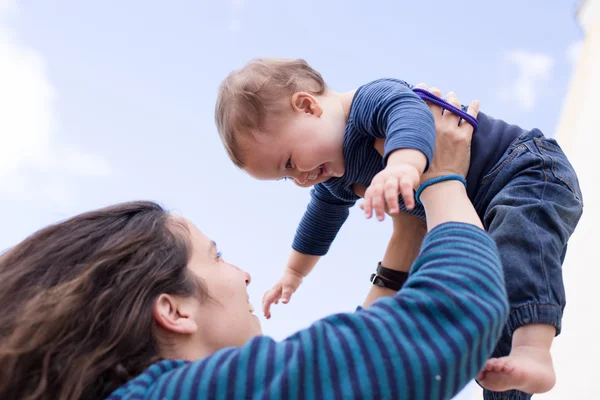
(367, 205)
(422, 86)
(268, 299)
(266, 306)
(266, 296)
(407, 191)
(391, 195)
(379, 203)
(286, 296)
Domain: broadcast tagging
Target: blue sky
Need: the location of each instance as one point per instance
(113, 101)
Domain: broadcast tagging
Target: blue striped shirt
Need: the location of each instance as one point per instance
(426, 342)
(388, 109)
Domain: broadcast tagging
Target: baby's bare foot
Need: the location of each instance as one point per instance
(528, 369)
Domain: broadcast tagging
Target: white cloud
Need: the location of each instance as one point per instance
(573, 52)
(32, 161)
(533, 69)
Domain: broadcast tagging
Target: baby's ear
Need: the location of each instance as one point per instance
(306, 103)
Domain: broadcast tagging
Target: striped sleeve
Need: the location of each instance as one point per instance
(388, 108)
(425, 343)
(320, 224)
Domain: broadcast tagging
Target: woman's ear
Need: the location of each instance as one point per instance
(175, 314)
(306, 103)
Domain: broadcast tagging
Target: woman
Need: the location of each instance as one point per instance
(133, 301)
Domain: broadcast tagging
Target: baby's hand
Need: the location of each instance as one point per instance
(283, 290)
(385, 187)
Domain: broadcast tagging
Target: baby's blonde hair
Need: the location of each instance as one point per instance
(251, 94)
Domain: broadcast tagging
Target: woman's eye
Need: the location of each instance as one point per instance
(288, 165)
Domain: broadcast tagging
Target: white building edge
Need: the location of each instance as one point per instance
(576, 351)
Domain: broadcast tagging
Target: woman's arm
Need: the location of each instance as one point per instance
(404, 245)
(426, 342)
(402, 250)
(452, 155)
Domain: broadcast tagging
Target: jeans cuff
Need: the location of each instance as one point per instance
(526, 314)
(508, 395)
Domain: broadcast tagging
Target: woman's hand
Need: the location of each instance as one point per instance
(447, 201)
(452, 154)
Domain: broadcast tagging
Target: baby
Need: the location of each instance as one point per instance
(278, 119)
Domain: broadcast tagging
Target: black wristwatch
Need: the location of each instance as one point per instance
(388, 278)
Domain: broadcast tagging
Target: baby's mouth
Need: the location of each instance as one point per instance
(251, 308)
(322, 171)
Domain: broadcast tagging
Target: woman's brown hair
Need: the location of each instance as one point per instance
(77, 298)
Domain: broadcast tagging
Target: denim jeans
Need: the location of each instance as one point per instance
(530, 203)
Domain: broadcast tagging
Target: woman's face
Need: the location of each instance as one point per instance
(227, 319)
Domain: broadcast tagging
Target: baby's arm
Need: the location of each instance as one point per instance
(401, 175)
(390, 110)
(298, 267)
(319, 226)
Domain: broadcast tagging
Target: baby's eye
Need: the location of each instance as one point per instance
(288, 165)
(219, 255)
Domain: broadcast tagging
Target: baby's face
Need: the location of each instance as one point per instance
(304, 146)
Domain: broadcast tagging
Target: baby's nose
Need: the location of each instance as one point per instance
(301, 177)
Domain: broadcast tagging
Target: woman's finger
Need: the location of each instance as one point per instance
(435, 109)
(452, 99)
(436, 91)
(473, 109)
